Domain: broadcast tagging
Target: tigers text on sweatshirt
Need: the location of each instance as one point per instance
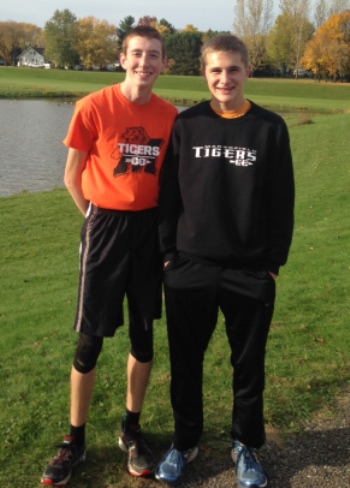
(227, 190)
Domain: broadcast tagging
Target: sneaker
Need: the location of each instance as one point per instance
(59, 470)
(140, 461)
(248, 469)
(172, 467)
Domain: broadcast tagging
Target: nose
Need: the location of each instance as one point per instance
(144, 59)
(224, 76)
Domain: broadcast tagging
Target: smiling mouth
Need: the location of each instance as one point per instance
(225, 89)
(143, 73)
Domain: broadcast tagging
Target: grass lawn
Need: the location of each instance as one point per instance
(301, 94)
(308, 350)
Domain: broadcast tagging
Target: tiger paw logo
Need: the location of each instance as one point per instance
(136, 152)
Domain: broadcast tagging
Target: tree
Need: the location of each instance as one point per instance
(328, 52)
(297, 30)
(278, 44)
(124, 27)
(147, 20)
(32, 36)
(252, 22)
(183, 51)
(337, 6)
(320, 13)
(170, 28)
(163, 27)
(324, 9)
(189, 28)
(17, 36)
(97, 42)
(61, 36)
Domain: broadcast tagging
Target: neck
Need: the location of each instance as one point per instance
(224, 107)
(226, 112)
(136, 94)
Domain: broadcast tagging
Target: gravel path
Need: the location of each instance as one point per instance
(319, 457)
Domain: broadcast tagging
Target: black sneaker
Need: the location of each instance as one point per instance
(59, 470)
(140, 460)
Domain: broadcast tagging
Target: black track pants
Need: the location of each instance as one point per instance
(194, 293)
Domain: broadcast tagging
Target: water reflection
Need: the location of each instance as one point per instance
(32, 156)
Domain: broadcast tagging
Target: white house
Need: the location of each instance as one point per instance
(33, 57)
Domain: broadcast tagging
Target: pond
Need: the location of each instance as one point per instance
(32, 155)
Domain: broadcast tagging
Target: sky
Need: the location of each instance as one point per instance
(204, 14)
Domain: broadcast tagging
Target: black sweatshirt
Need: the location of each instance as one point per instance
(227, 190)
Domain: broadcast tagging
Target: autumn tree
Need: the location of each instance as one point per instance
(97, 42)
(17, 36)
(61, 36)
(328, 52)
(189, 28)
(147, 20)
(163, 26)
(32, 36)
(252, 21)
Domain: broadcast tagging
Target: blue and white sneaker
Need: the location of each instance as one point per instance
(172, 467)
(248, 469)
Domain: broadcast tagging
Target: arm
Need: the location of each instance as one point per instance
(280, 203)
(75, 165)
(170, 205)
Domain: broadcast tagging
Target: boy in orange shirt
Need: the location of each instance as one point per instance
(117, 141)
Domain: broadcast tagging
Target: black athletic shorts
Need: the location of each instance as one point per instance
(119, 256)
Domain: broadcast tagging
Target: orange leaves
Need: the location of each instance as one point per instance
(328, 52)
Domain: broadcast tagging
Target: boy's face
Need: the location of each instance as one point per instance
(143, 61)
(226, 74)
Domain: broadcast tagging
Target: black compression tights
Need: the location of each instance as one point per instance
(87, 353)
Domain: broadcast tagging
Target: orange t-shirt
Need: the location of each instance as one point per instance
(126, 144)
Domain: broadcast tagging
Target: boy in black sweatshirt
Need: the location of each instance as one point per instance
(226, 222)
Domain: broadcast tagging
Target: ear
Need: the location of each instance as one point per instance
(122, 60)
(248, 70)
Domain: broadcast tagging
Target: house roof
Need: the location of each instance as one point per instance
(39, 50)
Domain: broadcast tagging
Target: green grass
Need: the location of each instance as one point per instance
(308, 350)
(302, 94)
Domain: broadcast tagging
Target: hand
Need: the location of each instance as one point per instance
(273, 275)
(166, 264)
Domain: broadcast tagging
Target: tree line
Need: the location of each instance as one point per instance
(290, 42)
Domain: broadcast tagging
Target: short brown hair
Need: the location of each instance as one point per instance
(227, 43)
(143, 31)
